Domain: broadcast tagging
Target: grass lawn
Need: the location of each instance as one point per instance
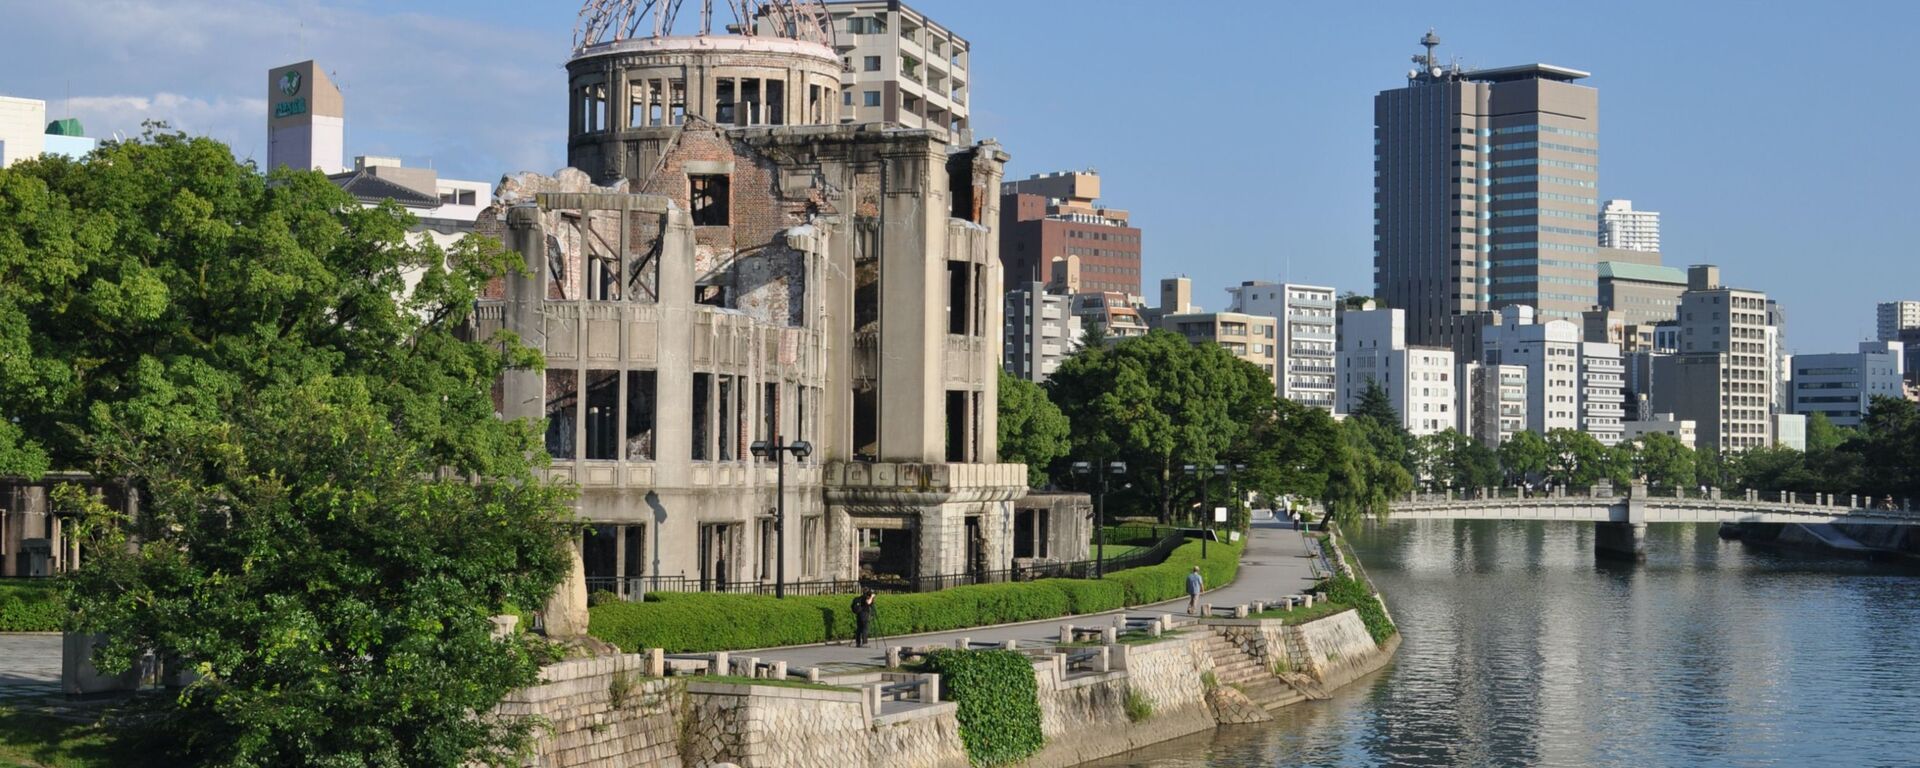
(38, 741)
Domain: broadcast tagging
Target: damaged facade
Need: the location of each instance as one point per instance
(728, 264)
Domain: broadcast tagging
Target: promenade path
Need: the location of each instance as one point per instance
(1276, 563)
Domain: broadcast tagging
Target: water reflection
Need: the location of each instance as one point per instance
(1522, 650)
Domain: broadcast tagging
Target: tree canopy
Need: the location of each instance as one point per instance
(332, 509)
(1032, 429)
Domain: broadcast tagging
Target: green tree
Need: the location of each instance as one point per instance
(1822, 435)
(1889, 449)
(1524, 455)
(1455, 460)
(1032, 429)
(1664, 461)
(245, 351)
(1575, 459)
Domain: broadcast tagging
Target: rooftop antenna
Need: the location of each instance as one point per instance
(1431, 41)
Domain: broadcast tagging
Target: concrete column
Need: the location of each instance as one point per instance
(1620, 541)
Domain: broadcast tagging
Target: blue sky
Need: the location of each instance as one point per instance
(1776, 138)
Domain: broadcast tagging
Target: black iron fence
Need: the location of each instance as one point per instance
(631, 588)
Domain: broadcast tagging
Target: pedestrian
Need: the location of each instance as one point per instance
(862, 618)
(1194, 585)
(1294, 515)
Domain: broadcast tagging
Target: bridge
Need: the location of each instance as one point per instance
(1621, 520)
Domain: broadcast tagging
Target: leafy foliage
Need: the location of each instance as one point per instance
(331, 508)
(1664, 461)
(998, 703)
(1524, 456)
(30, 606)
(1032, 429)
(1346, 590)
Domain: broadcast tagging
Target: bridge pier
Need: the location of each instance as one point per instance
(1620, 541)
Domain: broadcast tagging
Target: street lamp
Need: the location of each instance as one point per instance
(800, 450)
(1100, 511)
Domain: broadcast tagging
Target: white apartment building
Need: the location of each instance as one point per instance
(1309, 339)
(1603, 395)
(1040, 331)
(1493, 401)
(1843, 385)
(1627, 229)
(1664, 423)
(900, 67)
(1550, 352)
(1419, 381)
(1893, 316)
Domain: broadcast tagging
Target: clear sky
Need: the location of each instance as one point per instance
(1776, 138)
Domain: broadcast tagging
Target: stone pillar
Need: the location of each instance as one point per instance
(1620, 541)
(566, 611)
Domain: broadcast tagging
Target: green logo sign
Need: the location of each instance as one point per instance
(290, 108)
(290, 82)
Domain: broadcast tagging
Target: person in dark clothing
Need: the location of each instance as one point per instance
(862, 618)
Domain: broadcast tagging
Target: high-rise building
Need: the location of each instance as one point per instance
(1641, 293)
(306, 120)
(1418, 380)
(1485, 186)
(1053, 230)
(1843, 385)
(1550, 351)
(1308, 335)
(1624, 228)
(1496, 401)
(1724, 376)
(897, 66)
(1040, 331)
(1602, 391)
(1895, 316)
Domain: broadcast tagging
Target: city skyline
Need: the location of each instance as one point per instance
(1217, 216)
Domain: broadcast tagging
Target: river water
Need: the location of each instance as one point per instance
(1522, 650)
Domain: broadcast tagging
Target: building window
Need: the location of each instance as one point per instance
(871, 64)
(870, 98)
(709, 197)
(846, 98)
(640, 414)
(603, 415)
(563, 395)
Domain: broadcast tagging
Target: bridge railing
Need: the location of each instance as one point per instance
(1697, 493)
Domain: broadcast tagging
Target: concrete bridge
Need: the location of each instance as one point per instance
(1621, 520)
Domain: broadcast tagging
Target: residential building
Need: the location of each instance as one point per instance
(1053, 229)
(1485, 196)
(1550, 351)
(1419, 381)
(1642, 293)
(738, 300)
(897, 66)
(1664, 423)
(1117, 315)
(1309, 335)
(1602, 391)
(1040, 331)
(1253, 338)
(1724, 376)
(1495, 406)
(1627, 229)
(1843, 385)
(1892, 317)
(306, 120)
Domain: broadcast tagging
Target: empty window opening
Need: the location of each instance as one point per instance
(600, 556)
(957, 426)
(776, 100)
(959, 289)
(702, 416)
(810, 546)
(634, 555)
(770, 412)
(723, 107)
(710, 294)
(887, 555)
(866, 420)
(728, 438)
(603, 415)
(641, 399)
(709, 199)
(717, 560)
(768, 546)
(563, 396)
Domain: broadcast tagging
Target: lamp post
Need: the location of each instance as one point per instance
(1100, 510)
(800, 450)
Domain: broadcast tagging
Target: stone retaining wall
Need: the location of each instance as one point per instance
(1332, 650)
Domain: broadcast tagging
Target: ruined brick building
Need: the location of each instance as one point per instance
(725, 263)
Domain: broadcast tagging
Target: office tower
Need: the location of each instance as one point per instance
(1895, 316)
(1053, 230)
(1643, 294)
(1308, 335)
(1843, 385)
(1550, 351)
(306, 120)
(1624, 228)
(897, 66)
(1723, 376)
(1418, 380)
(1040, 331)
(1484, 195)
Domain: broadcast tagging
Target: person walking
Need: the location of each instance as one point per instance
(862, 618)
(1194, 584)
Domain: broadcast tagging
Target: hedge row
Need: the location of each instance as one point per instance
(698, 622)
(997, 703)
(30, 607)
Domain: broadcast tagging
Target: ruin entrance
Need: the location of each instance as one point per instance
(887, 550)
(718, 556)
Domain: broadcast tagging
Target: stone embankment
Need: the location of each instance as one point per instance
(632, 710)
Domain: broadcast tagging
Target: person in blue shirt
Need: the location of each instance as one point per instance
(1194, 585)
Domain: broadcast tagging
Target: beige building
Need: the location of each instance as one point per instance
(753, 271)
(1724, 377)
(898, 66)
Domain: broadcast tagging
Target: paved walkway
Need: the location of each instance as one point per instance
(29, 665)
(1275, 563)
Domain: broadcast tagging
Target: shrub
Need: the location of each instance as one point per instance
(998, 703)
(1346, 590)
(1138, 706)
(33, 606)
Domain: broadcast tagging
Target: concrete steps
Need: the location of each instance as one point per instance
(1236, 668)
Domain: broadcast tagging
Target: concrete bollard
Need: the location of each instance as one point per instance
(656, 662)
(1104, 661)
(1011, 645)
(1066, 634)
(1240, 611)
(1166, 622)
(1120, 622)
(1259, 606)
(1153, 630)
(873, 699)
(963, 643)
(1306, 600)
(893, 656)
(813, 674)
(929, 688)
(718, 664)
(1110, 635)
(1206, 609)
(779, 671)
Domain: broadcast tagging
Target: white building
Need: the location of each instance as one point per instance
(1493, 401)
(306, 120)
(1419, 381)
(899, 67)
(1308, 336)
(446, 208)
(1627, 229)
(1040, 331)
(1892, 316)
(25, 133)
(1663, 423)
(1726, 374)
(1843, 385)
(1602, 391)
(1550, 352)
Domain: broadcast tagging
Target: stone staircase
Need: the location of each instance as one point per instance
(1235, 667)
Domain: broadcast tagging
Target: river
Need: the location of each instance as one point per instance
(1522, 650)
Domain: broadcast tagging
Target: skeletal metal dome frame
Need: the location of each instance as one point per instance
(609, 21)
